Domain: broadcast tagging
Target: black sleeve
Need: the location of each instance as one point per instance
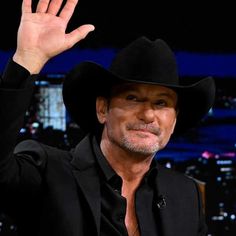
(14, 103)
(14, 76)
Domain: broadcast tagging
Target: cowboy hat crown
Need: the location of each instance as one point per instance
(146, 61)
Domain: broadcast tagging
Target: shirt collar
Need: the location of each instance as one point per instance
(151, 175)
(104, 165)
(109, 172)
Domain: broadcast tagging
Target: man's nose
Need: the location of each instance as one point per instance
(146, 113)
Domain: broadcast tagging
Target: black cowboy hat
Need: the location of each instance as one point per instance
(142, 61)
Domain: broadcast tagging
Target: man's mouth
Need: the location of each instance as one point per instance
(145, 128)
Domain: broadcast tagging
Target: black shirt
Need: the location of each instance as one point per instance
(113, 205)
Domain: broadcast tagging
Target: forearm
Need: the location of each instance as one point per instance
(15, 94)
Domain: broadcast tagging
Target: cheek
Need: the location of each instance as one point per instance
(168, 120)
(117, 118)
(113, 118)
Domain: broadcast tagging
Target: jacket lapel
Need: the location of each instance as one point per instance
(179, 215)
(87, 178)
(163, 210)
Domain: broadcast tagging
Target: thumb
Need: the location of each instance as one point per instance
(78, 34)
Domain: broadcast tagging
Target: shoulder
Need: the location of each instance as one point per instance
(39, 152)
(183, 198)
(178, 188)
(177, 180)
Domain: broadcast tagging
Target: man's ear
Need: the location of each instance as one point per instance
(175, 120)
(101, 109)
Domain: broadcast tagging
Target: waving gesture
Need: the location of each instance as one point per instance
(42, 34)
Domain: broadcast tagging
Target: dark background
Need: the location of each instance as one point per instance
(208, 152)
(193, 26)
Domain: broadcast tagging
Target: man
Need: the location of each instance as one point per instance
(110, 184)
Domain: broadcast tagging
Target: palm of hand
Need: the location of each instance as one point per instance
(45, 34)
(42, 34)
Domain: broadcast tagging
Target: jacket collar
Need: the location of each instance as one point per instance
(86, 176)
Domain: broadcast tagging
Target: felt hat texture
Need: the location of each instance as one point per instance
(142, 61)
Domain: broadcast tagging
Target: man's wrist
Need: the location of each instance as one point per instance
(31, 63)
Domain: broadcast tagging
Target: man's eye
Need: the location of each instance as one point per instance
(131, 97)
(161, 103)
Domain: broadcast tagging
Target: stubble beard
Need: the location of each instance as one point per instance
(141, 149)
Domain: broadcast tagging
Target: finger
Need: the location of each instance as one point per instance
(54, 7)
(42, 6)
(68, 9)
(79, 34)
(26, 6)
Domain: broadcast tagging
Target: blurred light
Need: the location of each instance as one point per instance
(224, 162)
(219, 179)
(22, 130)
(217, 218)
(232, 217)
(35, 125)
(168, 165)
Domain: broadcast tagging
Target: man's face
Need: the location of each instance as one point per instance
(139, 118)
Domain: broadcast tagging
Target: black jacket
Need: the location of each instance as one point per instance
(55, 192)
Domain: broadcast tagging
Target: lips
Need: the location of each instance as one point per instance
(147, 128)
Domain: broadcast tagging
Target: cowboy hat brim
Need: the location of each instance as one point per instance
(88, 80)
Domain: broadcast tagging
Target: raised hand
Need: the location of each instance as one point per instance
(41, 34)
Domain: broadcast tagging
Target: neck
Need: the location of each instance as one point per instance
(131, 167)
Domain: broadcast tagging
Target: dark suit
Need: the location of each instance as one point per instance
(55, 192)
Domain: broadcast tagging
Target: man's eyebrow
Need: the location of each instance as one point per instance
(166, 94)
(129, 88)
